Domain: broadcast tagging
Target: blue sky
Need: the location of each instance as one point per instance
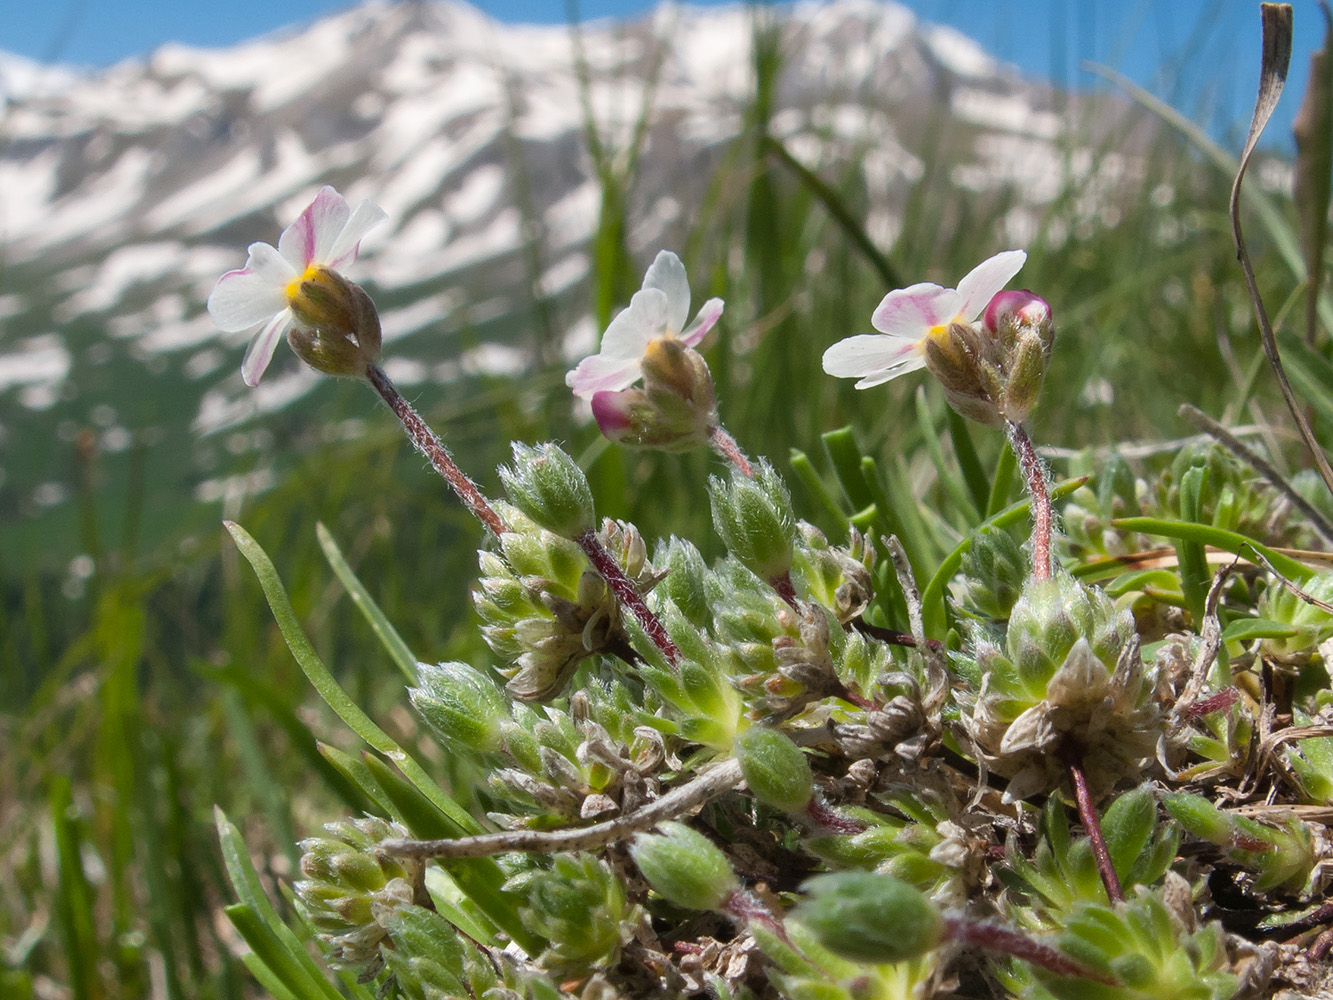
(1202, 55)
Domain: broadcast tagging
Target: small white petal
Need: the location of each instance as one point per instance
(709, 313)
(868, 354)
(986, 280)
(310, 238)
(643, 320)
(251, 295)
(913, 311)
(668, 274)
(601, 373)
(910, 365)
(260, 351)
(365, 217)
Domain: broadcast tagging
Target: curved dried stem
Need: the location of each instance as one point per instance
(1272, 77)
(677, 802)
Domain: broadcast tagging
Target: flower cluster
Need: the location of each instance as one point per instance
(791, 772)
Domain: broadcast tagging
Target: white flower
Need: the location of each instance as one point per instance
(260, 295)
(906, 317)
(658, 310)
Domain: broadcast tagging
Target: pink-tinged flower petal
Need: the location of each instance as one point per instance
(913, 311)
(260, 351)
(365, 217)
(709, 313)
(871, 355)
(909, 364)
(1026, 308)
(611, 411)
(986, 279)
(667, 273)
(602, 373)
(310, 238)
(643, 320)
(251, 295)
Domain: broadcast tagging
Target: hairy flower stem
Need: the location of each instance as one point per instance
(1030, 462)
(745, 907)
(1007, 941)
(1087, 814)
(725, 445)
(426, 442)
(627, 594)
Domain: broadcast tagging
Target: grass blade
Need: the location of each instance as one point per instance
(379, 624)
(334, 696)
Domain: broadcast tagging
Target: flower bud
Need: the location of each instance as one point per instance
(1015, 310)
(1051, 616)
(670, 366)
(1027, 368)
(684, 867)
(549, 487)
(427, 960)
(1312, 624)
(462, 706)
(775, 769)
(993, 570)
(578, 905)
(684, 584)
(753, 516)
(350, 889)
(869, 917)
(337, 330)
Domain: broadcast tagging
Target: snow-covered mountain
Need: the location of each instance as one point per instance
(125, 193)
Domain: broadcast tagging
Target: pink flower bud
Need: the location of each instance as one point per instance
(611, 410)
(1020, 307)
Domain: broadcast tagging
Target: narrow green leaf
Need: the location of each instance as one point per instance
(846, 458)
(1002, 483)
(806, 474)
(1194, 573)
(953, 485)
(74, 903)
(1248, 629)
(1218, 538)
(352, 769)
(276, 955)
(1128, 825)
(968, 460)
(379, 624)
(266, 978)
(323, 682)
(245, 883)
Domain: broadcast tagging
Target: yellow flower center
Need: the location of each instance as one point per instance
(294, 286)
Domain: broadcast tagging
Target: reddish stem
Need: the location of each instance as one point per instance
(627, 594)
(1087, 814)
(425, 441)
(727, 447)
(1215, 703)
(1030, 462)
(830, 819)
(744, 906)
(1007, 941)
(785, 588)
(889, 635)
